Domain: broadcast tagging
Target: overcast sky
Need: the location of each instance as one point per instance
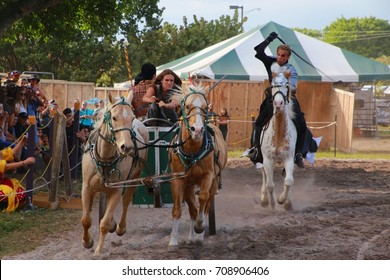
(312, 14)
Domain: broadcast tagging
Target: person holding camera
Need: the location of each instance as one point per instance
(33, 81)
(276, 64)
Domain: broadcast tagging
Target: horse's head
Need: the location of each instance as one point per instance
(194, 108)
(280, 90)
(118, 119)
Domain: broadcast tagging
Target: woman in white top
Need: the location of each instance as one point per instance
(20, 101)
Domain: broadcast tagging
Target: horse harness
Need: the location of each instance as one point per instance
(107, 167)
(188, 160)
(278, 84)
(269, 95)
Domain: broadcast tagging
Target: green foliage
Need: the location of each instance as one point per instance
(75, 40)
(369, 37)
(310, 32)
(384, 59)
(80, 40)
(189, 37)
(104, 81)
(21, 231)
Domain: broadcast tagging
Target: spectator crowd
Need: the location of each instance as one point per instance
(23, 102)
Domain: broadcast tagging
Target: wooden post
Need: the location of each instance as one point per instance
(127, 62)
(56, 159)
(73, 157)
(66, 166)
(50, 151)
(30, 153)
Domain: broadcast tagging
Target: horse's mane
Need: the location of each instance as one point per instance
(197, 88)
(291, 112)
(99, 122)
(179, 94)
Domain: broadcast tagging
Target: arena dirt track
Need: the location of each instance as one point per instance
(341, 211)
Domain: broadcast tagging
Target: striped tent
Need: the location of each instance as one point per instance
(316, 60)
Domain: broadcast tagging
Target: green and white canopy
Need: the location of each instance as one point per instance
(235, 58)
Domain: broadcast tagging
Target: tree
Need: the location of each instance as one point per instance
(72, 38)
(189, 37)
(169, 42)
(12, 11)
(369, 37)
(310, 32)
(80, 39)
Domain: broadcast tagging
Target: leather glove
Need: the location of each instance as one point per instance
(272, 36)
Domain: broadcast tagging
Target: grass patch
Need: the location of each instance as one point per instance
(23, 231)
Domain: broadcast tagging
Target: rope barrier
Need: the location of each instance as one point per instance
(43, 127)
(243, 140)
(240, 121)
(39, 187)
(20, 137)
(322, 127)
(217, 117)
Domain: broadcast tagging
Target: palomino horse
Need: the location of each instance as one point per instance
(202, 154)
(278, 143)
(112, 154)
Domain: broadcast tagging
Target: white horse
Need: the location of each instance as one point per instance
(278, 141)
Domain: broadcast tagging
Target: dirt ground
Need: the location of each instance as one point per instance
(341, 211)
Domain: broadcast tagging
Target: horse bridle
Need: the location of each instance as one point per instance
(207, 146)
(109, 127)
(286, 97)
(185, 116)
(111, 139)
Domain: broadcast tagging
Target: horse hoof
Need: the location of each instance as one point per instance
(173, 248)
(264, 203)
(120, 232)
(113, 227)
(88, 245)
(199, 230)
